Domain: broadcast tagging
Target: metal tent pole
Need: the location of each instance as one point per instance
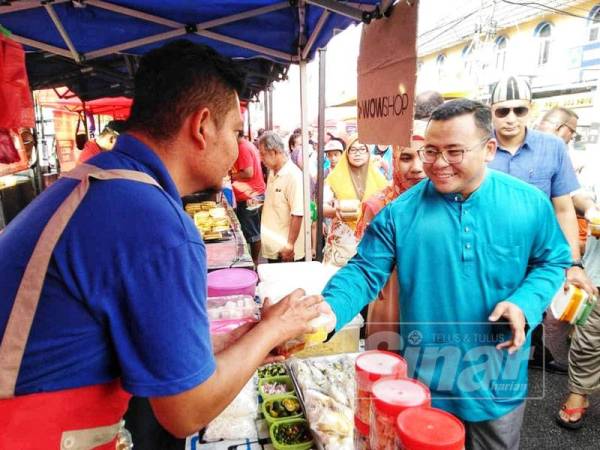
(305, 160)
(321, 153)
(270, 91)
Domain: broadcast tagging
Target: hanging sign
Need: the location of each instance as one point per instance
(387, 72)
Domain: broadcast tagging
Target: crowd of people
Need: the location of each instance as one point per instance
(468, 232)
(361, 180)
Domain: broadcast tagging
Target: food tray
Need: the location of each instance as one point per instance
(300, 389)
(281, 379)
(280, 398)
(278, 446)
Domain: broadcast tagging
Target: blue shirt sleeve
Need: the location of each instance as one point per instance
(160, 327)
(359, 282)
(550, 256)
(564, 180)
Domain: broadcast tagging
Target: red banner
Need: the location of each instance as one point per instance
(16, 103)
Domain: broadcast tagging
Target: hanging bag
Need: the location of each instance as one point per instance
(16, 103)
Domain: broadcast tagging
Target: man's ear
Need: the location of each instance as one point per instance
(490, 150)
(202, 127)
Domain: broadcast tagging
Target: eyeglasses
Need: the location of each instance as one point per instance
(358, 150)
(571, 129)
(452, 156)
(520, 111)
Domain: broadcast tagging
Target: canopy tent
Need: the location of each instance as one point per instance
(112, 76)
(93, 32)
(117, 107)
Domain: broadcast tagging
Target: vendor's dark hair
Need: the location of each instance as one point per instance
(459, 107)
(178, 79)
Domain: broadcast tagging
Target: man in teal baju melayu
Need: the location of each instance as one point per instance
(479, 255)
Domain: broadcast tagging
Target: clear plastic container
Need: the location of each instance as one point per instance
(361, 435)
(370, 367)
(572, 306)
(226, 314)
(231, 282)
(390, 398)
(344, 341)
(425, 428)
(293, 346)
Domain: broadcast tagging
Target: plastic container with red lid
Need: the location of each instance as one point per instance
(429, 429)
(390, 398)
(370, 367)
(361, 435)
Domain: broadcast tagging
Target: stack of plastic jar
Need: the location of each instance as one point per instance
(370, 367)
(429, 429)
(361, 435)
(390, 398)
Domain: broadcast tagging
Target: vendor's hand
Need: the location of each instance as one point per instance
(287, 253)
(513, 314)
(221, 342)
(289, 317)
(578, 277)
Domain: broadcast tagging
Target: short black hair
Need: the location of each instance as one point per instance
(459, 107)
(292, 139)
(177, 79)
(426, 102)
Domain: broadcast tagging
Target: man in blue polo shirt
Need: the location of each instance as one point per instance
(537, 158)
(472, 277)
(121, 303)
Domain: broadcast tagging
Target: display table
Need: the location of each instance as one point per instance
(232, 252)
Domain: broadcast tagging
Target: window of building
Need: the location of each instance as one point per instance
(543, 32)
(594, 24)
(440, 62)
(467, 56)
(500, 50)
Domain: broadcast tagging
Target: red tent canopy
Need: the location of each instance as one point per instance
(117, 107)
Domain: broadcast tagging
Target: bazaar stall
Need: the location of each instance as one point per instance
(327, 394)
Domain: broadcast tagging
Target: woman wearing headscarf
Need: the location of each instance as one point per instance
(353, 181)
(383, 315)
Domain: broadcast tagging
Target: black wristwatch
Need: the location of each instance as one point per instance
(577, 263)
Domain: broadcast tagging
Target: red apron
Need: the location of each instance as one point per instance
(72, 419)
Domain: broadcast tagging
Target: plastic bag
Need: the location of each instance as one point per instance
(230, 429)
(16, 103)
(341, 244)
(8, 151)
(237, 421)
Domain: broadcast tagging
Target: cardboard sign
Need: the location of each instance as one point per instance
(387, 72)
(65, 124)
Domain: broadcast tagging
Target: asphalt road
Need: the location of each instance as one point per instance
(540, 430)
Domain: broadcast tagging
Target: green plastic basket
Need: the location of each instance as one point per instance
(281, 379)
(270, 419)
(279, 446)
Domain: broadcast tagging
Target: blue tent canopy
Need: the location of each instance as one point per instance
(284, 31)
(95, 44)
